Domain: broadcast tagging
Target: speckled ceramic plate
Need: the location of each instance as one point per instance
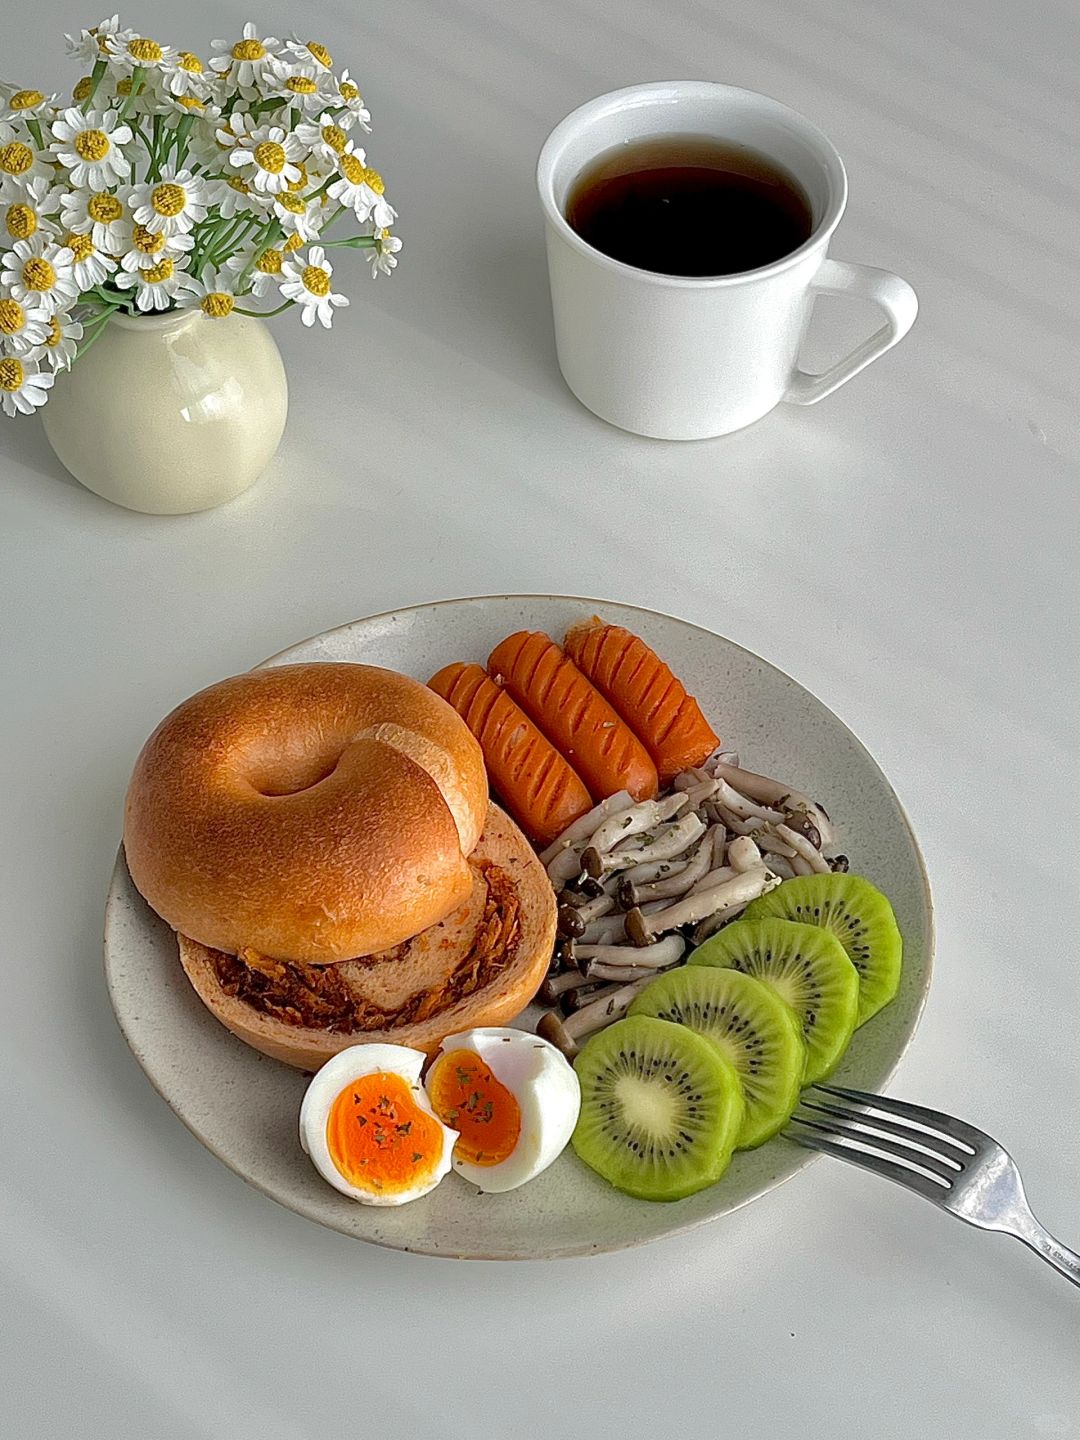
(244, 1107)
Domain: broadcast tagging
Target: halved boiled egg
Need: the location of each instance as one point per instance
(512, 1098)
(369, 1127)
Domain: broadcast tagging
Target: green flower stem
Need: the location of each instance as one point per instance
(180, 139)
(351, 242)
(271, 231)
(137, 76)
(96, 75)
(142, 136)
(93, 330)
(34, 126)
(156, 157)
(334, 217)
(264, 314)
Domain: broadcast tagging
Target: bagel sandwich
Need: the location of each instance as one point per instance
(321, 839)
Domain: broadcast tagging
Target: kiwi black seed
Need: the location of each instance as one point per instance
(660, 1109)
(860, 917)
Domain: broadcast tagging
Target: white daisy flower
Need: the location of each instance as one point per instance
(355, 111)
(234, 128)
(20, 162)
(91, 45)
(25, 213)
(61, 344)
(189, 105)
(265, 273)
(213, 294)
(38, 272)
(145, 248)
(323, 136)
(90, 266)
(187, 75)
(308, 284)
(234, 196)
(310, 52)
(302, 85)
(361, 188)
(89, 146)
(384, 256)
(23, 387)
(21, 326)
(298, 216)
(173, 204)
(245, 62)
(138, 52)
(270, 154)
(156, 287)
(99, 213)
(16, 104)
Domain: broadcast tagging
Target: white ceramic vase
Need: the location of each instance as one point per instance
(170, 413)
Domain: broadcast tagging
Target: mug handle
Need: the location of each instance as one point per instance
(889, 292)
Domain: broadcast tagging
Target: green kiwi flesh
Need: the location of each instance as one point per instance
(660, 1109)
(860, 917)
(754, 1030)
(808, 968)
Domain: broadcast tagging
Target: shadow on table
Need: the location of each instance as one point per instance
(25, 444)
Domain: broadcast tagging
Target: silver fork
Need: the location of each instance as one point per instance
(948, 1162)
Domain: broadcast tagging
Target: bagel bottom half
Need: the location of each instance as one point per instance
(480, 966)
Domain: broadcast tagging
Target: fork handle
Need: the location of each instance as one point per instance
(1065, 1261)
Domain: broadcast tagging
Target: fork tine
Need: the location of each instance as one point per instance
(945, 1170)
(909, 1179)
(956, 1130)
(920, 1142)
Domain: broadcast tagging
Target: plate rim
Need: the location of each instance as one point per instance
(574, 1251)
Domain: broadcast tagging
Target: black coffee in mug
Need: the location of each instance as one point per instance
(689, 205)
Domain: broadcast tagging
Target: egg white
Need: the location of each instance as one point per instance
(543, 1083)
(327, 1084)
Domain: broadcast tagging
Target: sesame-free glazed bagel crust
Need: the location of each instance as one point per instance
(480, 965)
(309, 812)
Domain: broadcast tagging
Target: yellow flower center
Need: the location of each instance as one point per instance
(82, 89)
(269, 262)
(189, 102)
(21, 222)
(294, 242)
(26, 99)
(234, 182)
(292, 203)
(321, 53)
(300, 183)
(147, 242)
(55, 334)
(348, 90)
(316, 281)
(217, 305)
(38, 274)
(248, 50)
(81, 246)
(104, 208)
(102, 40)
(163, 270)
(351, 168)
(191, 63)
(16, 158)
(301, 85)
(92, 145)
(12, 317)
(123, 85)
(335, 137)
(168, 200)
(12, 374)
(374, 181)
(147, 52)
(270, 156)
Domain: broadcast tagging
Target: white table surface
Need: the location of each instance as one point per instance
(907, 550)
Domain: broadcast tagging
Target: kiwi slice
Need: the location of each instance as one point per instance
(860, 917)
(660, 1109)
(754, 1030)
(808, 968)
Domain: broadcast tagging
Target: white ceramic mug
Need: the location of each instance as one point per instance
(682, 358)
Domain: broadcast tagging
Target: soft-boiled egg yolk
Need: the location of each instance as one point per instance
(379, 1138)
(467, 1097)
